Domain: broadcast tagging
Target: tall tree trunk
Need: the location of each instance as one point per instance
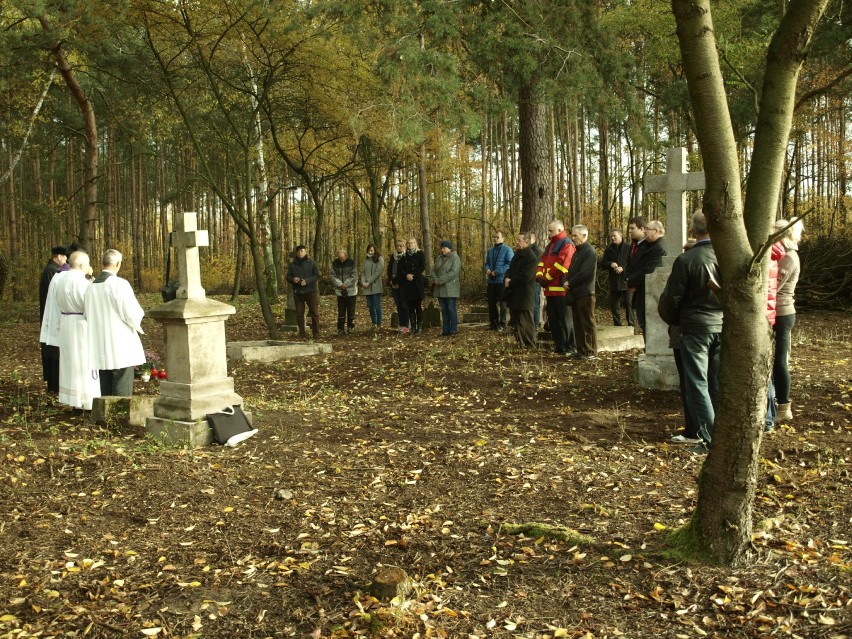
(534, 147)
(425, 224)
(721, 526)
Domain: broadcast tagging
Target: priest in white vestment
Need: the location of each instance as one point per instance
(65, 326)
(114, 319)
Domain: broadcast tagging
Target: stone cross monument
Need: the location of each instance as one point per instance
(656, 367)
(196, 359)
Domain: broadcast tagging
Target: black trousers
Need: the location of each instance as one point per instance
(345, 311)
(496, 309)
(617, 299)
(585, 331)
(560, 322)
(117, 382)
(638, 303)
(50, 366)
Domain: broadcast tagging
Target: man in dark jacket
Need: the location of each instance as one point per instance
(303, 275)
(613, 262)
(689, 302)
(520, 289)
(645, 261)
(580, 287)
(50, 354)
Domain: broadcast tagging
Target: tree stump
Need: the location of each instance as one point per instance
(389, 583)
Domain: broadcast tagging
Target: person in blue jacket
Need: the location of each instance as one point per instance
(497, 261)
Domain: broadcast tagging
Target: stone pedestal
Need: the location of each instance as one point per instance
(656, 367)
(196, 360)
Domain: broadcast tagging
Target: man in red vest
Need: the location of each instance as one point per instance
(550, 273)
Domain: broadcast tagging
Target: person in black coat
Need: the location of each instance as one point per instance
(614, 261)
(50, 354)
(648, 258)
(580, 287)
(412, 283)
(520, 290)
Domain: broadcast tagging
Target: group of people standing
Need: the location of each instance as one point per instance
(690, 305)
(89, 328)
(627, 265)
(564, 271)
(405, 275)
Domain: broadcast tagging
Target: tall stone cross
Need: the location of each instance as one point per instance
(675, 183)
(186, 238)
(656, 366)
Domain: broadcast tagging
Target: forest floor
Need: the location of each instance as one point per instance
(419, 452)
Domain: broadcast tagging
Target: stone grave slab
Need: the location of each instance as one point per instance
(476, 315)
(269, 350)
(611, 339)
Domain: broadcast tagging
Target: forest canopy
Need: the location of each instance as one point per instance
(341, 123)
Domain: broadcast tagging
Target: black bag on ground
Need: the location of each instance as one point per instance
(169, 291)
(230, 426)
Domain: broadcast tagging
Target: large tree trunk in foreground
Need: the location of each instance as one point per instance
(534, 152)
(721, 526)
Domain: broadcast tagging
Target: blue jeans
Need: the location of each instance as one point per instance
(374, 304)
(780, 370)
(401, 308)
(699, 355)
(691, 430)
(449, 315)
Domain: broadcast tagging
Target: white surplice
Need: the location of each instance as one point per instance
(114, 319)
(78, 382)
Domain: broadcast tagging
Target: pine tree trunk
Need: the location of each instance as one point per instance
(534, 147)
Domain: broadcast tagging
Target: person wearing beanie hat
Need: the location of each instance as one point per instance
(446, 285)
(50, 354)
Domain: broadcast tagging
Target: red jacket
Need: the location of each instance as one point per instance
(554, 264)
(778, 252)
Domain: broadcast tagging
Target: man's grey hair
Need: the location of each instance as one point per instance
(656, 225)
(699, 223)
(527, 237)
(559, 224)
(111, 257)
(582, 229)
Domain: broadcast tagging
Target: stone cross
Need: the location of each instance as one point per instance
(186, 238)
(656, 367)
(675, 183)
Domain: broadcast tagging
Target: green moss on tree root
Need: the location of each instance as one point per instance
(537, 530)
(685, 544)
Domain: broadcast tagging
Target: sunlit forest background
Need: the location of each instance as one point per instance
(342, 123)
